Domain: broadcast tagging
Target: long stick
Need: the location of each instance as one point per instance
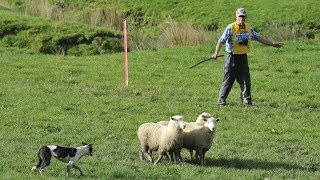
(126, 71)
(203, 61)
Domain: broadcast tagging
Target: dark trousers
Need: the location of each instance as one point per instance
(236, 68)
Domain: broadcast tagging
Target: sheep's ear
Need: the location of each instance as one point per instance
(217, 119)
(84, 143)
(204, 118)
(172, 118)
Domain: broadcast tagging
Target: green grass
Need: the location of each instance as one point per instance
(47, 99)
(56, 37)
(148, 21)
(220, 12)
(207, 12)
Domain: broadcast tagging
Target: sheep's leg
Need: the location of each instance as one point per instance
(171, 156)
(197, 156)
(191, 153)
(142, 151)
(141, 155)
(201, 154)
(149, 157)
(145, 151)
(178, 156)
(159, 158)
(167, 156)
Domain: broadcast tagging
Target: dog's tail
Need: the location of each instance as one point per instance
(44, 156)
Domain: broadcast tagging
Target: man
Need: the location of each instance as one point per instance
(237, 37)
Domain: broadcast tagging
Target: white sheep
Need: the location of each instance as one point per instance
(201, 120)
(157, 137)
(200, 138)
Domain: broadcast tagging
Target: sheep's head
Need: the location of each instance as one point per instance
(202, 118)
(178, 119)
(211, 123)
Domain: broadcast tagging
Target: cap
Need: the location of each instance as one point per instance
(241, 12)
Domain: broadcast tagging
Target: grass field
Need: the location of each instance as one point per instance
(151, 25)
(46, 99)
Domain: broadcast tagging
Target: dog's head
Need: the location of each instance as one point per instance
(88, 148)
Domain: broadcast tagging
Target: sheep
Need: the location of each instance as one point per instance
(157, 137)
(200, 138)
(202, 118)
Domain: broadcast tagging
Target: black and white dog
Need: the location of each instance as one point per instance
(65, 154)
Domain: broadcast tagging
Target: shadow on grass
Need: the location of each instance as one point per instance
(248, 164)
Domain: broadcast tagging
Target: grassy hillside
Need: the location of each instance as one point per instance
(220, 12)
(152, 24)
(47, 99)
(205, 12)
(56, 37)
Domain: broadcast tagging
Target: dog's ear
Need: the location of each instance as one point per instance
(83, 143)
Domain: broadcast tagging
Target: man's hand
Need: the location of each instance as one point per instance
(216, 52)
(278, 45)
(269, 43)
(214, 56)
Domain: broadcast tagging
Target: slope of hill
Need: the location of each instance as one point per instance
(150, 22)
(56, 37)
(207, 13)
